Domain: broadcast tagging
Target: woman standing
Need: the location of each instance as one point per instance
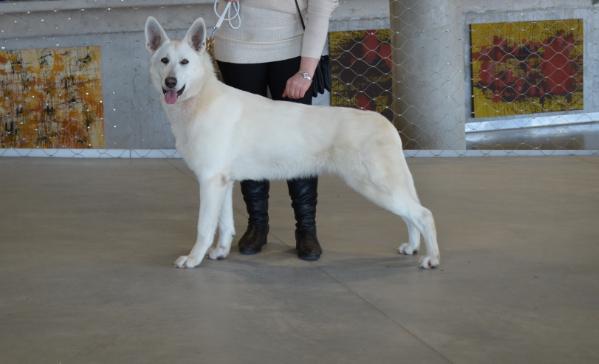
(270, 51)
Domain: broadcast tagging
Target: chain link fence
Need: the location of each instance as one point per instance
(466, 78)
(452, 78)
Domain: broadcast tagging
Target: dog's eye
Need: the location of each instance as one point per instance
(184, 61)
(164, 60)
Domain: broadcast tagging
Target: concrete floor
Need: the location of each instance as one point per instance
(86, 275)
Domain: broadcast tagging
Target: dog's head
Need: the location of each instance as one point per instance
(178, 68)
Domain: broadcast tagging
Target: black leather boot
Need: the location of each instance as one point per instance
(255, 195)
(303, 200)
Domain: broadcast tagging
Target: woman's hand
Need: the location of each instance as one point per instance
(297, 85)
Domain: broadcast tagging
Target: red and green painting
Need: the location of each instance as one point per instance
(527, 67)
(361, 68)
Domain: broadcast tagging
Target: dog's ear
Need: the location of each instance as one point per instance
(196, 35)
(155, 35)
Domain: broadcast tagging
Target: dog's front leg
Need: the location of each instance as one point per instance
(212, 193)
(226, 227)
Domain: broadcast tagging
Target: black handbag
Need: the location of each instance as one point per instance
(322, 74)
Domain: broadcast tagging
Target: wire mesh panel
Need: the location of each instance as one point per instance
(527, 67)
(450, 75)
(530, 76)
(463, 78)
(361, 68)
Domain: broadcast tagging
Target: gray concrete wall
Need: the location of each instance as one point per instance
(134, 119)
(133, 116)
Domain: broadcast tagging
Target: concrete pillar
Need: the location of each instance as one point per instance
(428, 77)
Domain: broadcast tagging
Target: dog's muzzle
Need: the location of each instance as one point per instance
(171, 95)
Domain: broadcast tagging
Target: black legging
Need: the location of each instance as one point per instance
(258, 77)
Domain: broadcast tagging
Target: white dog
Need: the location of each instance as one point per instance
(226, 135)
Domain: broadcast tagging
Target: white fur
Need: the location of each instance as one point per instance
(226, 135)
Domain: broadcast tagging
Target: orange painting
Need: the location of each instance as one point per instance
(51, 98)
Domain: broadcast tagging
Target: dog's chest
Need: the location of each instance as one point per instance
(201, 145)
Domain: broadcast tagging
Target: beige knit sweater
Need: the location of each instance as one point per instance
(271, 31)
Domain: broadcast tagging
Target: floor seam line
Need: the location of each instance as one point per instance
(399, 324)
(168, 161)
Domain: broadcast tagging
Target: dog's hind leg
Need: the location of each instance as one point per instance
(384, 178)
(412, 247)
(212, 194)
(226, 227)
(419, 221)
(423, 220)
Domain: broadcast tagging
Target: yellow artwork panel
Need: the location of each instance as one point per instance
(527, 67)
(51, 98)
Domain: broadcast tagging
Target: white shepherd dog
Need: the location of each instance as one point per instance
(227, 135)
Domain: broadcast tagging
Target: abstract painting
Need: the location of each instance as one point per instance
(361, 68)
(527, 67)
(51, 98)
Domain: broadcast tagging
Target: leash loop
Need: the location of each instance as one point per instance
(230, 14)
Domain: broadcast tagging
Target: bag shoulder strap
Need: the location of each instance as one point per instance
(300, 14)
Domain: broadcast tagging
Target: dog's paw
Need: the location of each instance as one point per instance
(187, 261)
(217, 253)
(429, 262)
(406, 249)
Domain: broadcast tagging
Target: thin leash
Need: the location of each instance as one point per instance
(231, 14)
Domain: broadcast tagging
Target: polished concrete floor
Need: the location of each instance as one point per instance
(86, 275)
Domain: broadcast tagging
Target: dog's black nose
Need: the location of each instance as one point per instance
(170, 82)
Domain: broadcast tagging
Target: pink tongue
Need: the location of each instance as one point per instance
(170, 97)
